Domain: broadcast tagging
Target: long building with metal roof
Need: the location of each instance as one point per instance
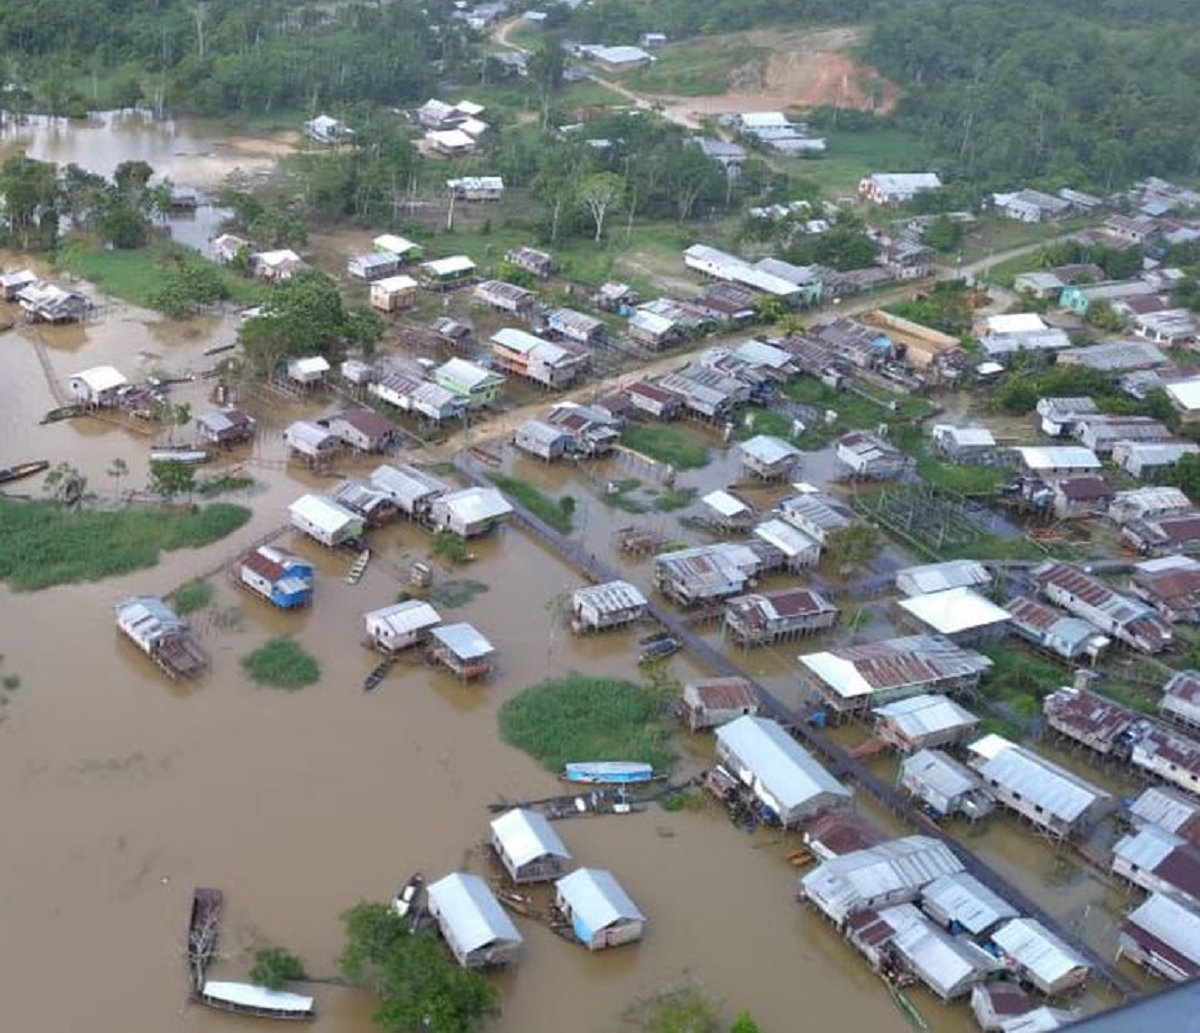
(475, 927)
(1040, 956)
(1163, 935)
(961, 901)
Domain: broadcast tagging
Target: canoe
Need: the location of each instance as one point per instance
(658, 647)
(187, 456)
(15, 473)
(406, 902)
(608, 771)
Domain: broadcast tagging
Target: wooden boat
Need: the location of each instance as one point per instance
(355, 573)
(406, 902)
(15, 473)
(204, 925)
(63, 412)
(378, 674)
(608, 772)
(187, 456)
(248, 999)
(658, 647)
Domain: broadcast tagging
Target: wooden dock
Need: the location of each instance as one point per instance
(840, 763)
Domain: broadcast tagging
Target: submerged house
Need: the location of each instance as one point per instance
(1130, 621)
(924, 721)
(164, 636)
(1163, 936)
(374, 506)
(364, 430)
(279, 576)
(311, 441)
(225, 427)
(609, 605)
(470, 511)
(785, 778)
(769, 458)
(404, 624)
(464, 650)
(599, 910)
(528, 847)
(870, 457)
(410, 488)
(540, 439)
(100, 387)
(325, 521)
(712, 702)
(949, 966)
(891, 873)
(960, 902)
(475, 927)
(944, 786)
(1071, 638)
(373, 265)
(766, 617)
(705, 573)
(1160, 862)
(1040, 957)
(45, 302)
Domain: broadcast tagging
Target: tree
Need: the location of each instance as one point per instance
(545, 69)
(1185, 474)
(170, 477)
(32, 201)
(132, 177)
(600, 193)
(65, 484)
(116, 471)
(849, 548)
(417, 984)
(943, 234)
(274, 968)
(119, 221)
(743, 1023)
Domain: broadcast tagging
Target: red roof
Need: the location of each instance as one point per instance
(725, 694)
(1085, 488)
(842, 833)
(367, 422)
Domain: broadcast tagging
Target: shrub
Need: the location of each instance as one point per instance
(282, 664)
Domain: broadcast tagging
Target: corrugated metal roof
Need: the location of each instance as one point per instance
(1164, 808)
(787, 539)
(926, 714)
(848, 882)
(323, 513)
(892, 664)
(597, 898)
(464, 641)
(964, 899)
(725, 504)
(471, 505)
(768, 449)
(1059, 457)
(1172, 923)
(787, 771)
(954, 610)
(464, 903)
(942, 773)
(406, 482)
(944, 964)
(1044, 784)
(1037, 950)
(937, 577)
(611, 596)
(1147, 848)
(527, 835)
(406, 617)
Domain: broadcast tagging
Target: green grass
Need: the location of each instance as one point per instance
(667, 445)
(676, 498)
(855, 412)
(579, 718)
(958, 477)
(137, 275)
(622, 498)
(281, 664)
(193, 596)
(42, 544)
(535, 500)
(1017, 671)
(696, 68)
(851, 156)
(757, 420)
(223, 483)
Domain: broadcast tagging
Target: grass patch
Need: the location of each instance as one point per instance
(1018, 672)
(42, 544)
(447, 546)
(675, 498)
(555, 513)
(697, 68)
(281, 664)
(619, 495)
(447, 595)
(579, 718)
(138, 275)
(853, 155)
(224, 483)
(960, 477)
(758, 420)
(667, 445)
(193, 596)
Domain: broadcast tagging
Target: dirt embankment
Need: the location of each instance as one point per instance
(800, 70)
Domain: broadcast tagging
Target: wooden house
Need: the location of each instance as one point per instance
(1130, 621)
(373, 265)
(401, 625)
(1071, 638)
(533, 261)
(475, 927)
(277, 575)
(476, 188)
(1171, 584)
(598, 908)
(364, 430)
(610, 605)
(162, 635)
(1040, 957)
(394, 293)
(551, 364)
(225, 427)
(924, 721)
(870, 457)
(470, 512)
(403, 248)
(705, 573)
(412, 489)
(308, 371)
(374, 506)
(576, 326)
(11, 284)
(655, 401)
(461, 648)
(100, 387)
(540, 439)
(766, 617)
(504, 296)
(1163, 935)
(325, 521)
(711, 702)
(276, 266)
(45, 302)
(944, 786)
(769, 458)
(1180, 700)
(528, 847)
(311, 441)
(446, 273)
(476, 386)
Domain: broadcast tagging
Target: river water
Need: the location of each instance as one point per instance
(122, 790)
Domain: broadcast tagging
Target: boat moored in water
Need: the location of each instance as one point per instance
(248, 999)
(608, 772)
(406, 902)
(16, 472)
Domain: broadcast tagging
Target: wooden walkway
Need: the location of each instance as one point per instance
(840, 763)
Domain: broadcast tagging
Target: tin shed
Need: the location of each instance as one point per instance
(472, 922)
(600, 911)
(528, 847)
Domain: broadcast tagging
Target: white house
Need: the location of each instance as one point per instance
(599, 910)
(325, 521)
(99, 386)
(470, 512)
(396, 627)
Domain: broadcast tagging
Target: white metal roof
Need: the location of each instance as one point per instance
(966, 437)
(905, 182)
(789, 540)
(250, 996)
(1172, 922)
(785, 770)
(935, 577)
(449, 266)
(474, 504)
(1185, 393)
(101, 378)
(725, 504)
(527, 835)
(1147, 848)
(597, 898)
(464, 641)
(1062, 457)
(1016, 323)
(1163, 807)
(305, 432)
(465, 904)
(308, 364)
(895, 663)
(395, 244)
(759, 353)
(470, 107)
(954, 610)
(612, 595)
(405, 617)
(284, 256)
(406, 482)
(394, 284)
(768, 449)
(469, 374)
(964, 899)
(452, 138)
(941, 772)
(1036, 949)
(620, 55)
(324, 514)
(1059, 792)
(939, 960)
(926, 714)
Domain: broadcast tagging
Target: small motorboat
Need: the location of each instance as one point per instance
(15, 473)
(608, 772)
(658, 647)
(187, 456)
(404, 903)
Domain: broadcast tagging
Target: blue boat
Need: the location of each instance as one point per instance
(608, 772)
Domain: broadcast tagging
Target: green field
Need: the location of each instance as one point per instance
(42, 544)
(667, 445)
(851, 156)
(281, 664)
(698, 67)
(535, 500)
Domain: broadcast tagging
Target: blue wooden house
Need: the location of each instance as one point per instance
(281, 577)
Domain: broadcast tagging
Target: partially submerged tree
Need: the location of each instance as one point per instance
(170, 477)
(850, 548)
(275, 967)
(65, 484)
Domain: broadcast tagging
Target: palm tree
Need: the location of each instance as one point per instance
(116, 471)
